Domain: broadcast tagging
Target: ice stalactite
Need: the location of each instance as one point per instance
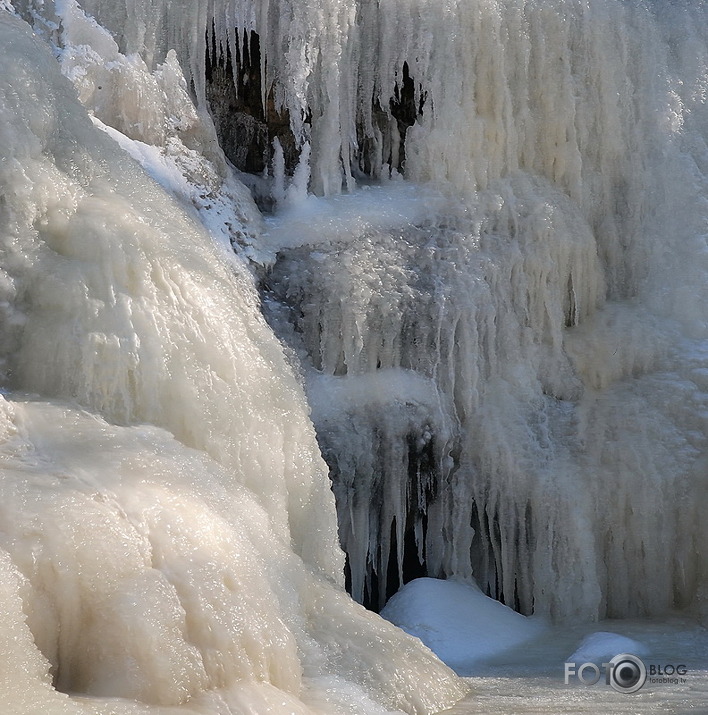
(517, 87)
(422, 346)
(544, 304)
(486, 413)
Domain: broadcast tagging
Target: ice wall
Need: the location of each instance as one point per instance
(552, 292)
(578, 93)
(168, 537)
(536, 312)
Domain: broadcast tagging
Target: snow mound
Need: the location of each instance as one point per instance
(603, 645)
(461, 625)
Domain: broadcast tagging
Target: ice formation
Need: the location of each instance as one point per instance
(548, 283)
(494, 295)
(462, 625)
(601, 644)
(168, 532)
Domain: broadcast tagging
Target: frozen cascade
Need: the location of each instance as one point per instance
(168, 539)
(551, 290)
(450, 398)
(504, 354)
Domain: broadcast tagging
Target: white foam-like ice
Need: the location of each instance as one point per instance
(505, 361)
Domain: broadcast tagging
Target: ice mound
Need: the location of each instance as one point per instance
(461, 625)
(605, 645)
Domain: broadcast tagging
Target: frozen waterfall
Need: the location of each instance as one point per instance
(473, 279)
(168, 531)
(507, 361)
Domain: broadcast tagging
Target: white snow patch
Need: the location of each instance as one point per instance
(461, 625)
(605, 645)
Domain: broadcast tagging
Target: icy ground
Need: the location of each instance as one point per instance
(516, 664)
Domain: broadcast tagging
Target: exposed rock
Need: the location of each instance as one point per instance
(246, 129)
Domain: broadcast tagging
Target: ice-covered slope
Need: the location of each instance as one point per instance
(168, 533)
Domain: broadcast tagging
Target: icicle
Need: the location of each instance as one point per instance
(564, 129)
(297, 191)
(166, 492)
(278, 173)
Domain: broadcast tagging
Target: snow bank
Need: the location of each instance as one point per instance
(461, 625)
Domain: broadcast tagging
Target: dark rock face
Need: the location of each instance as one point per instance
(245, 128)
(392, 123)
(405, 110)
